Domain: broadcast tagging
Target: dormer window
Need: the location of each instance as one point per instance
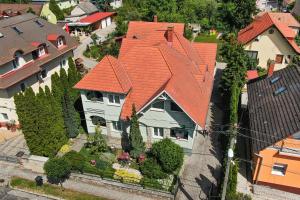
(41, 51)
(60, 42)
(18, 60)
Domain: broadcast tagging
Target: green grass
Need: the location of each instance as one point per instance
(52, 190)
(206, 38)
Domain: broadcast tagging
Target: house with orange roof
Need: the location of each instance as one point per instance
(274, 129)
(271, 36)
(168, 78)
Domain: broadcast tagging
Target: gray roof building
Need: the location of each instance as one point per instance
(88, 7)
(274, 108)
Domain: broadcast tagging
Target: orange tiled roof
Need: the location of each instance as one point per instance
(263, 23)
(182, 69)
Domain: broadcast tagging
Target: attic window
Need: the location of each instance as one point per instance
(274, 80)
(17, 30)
(279, 91)
(60, 42)
(1, 35)
(271, 31)
(39, 23)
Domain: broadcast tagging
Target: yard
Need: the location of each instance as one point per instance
(52, 190)
(207, 38)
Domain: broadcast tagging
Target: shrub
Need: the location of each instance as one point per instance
(168, 154)
(127, 177)
(76, 160)
(101, 164)
(65, 149)
(109, 157)
(57, 170)
(238, 196)
(151, 169)
(151, 183)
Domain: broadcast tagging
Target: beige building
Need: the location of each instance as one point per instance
(31, 50)
(271, 37)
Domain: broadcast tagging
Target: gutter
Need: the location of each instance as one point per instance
(260, 158)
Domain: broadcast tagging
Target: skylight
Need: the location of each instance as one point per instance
(39, 23)
(274, 80)
(279, 90)
(17, 30)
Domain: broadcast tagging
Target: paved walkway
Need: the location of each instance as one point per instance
(78, 52)
(79, 142)
(203, 168)
(12, 146)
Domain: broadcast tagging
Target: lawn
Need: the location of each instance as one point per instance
(52, 190)
(206, 38)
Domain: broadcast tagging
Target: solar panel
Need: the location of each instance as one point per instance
(17, 30)
(39, 23)
(279, 90)
(274, 80)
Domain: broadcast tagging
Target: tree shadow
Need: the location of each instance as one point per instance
(183, 190)
(205, 185)
(125, 141)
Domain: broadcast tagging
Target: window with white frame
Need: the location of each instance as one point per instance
(4, 116)
(279, 169)
(63, 63)
(60, 42)
(94, 96)
(117, 125)
(23, 87)
(44, 73)
(114, 99)
(158, 105)
(179, 133)
(158, 132)
(41, 51)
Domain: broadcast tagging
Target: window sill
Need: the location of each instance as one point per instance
(94, 101)
(277, 174)
(179, 139)
(157, 137)
(113, 104)
(157, 110)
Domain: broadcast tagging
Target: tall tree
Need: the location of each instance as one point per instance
(56, 10)
(135, 137)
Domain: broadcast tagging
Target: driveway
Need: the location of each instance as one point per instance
(202, 169)
(102, 34)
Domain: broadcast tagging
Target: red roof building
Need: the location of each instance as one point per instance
(96, 17)
(271, 36)
(155, 60)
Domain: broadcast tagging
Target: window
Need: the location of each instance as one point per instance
(279, 169)
(17, 30)
(23, 87)
(63, 63)
(16, 63)
(279, 90)
(113, 99)
(60, 42)
(271, 31)
(4, 116)
(175, 107)
(44, 73)
(94, 96)
(96, 120)
(287, 59)
(179, 133)
(158, 132)
(252, 54)
(39, 23)
(279, 59)
(159, 105)
(117, 126)
(41, 51)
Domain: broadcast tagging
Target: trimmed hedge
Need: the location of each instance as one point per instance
(151, 169)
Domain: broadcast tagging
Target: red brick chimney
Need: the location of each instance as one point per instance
(155, 18)
(170, 32)
(271, 68)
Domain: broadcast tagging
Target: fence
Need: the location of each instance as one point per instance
(127, 186)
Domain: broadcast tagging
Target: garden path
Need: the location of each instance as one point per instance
(79, 142)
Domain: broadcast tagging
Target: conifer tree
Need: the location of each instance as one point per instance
(137, 145)
(56, 10)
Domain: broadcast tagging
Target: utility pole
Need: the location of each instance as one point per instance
(229, 158)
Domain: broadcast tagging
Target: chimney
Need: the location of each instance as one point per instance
(271, 68)
(155, 18)
(170, 32)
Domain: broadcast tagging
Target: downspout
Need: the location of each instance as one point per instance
(260, 158)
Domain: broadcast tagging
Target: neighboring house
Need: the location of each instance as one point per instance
(31, 50)
(271, 36)
(49, 15)
(275, 129)
(267, 5)
(10, 10)
(168, 78)
(82, 10)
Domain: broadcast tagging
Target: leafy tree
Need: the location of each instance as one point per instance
(57, 170)
(94, 38)
(97, 142)
(56, 10)
(137, 145)
(168, 154)
(104, 5)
